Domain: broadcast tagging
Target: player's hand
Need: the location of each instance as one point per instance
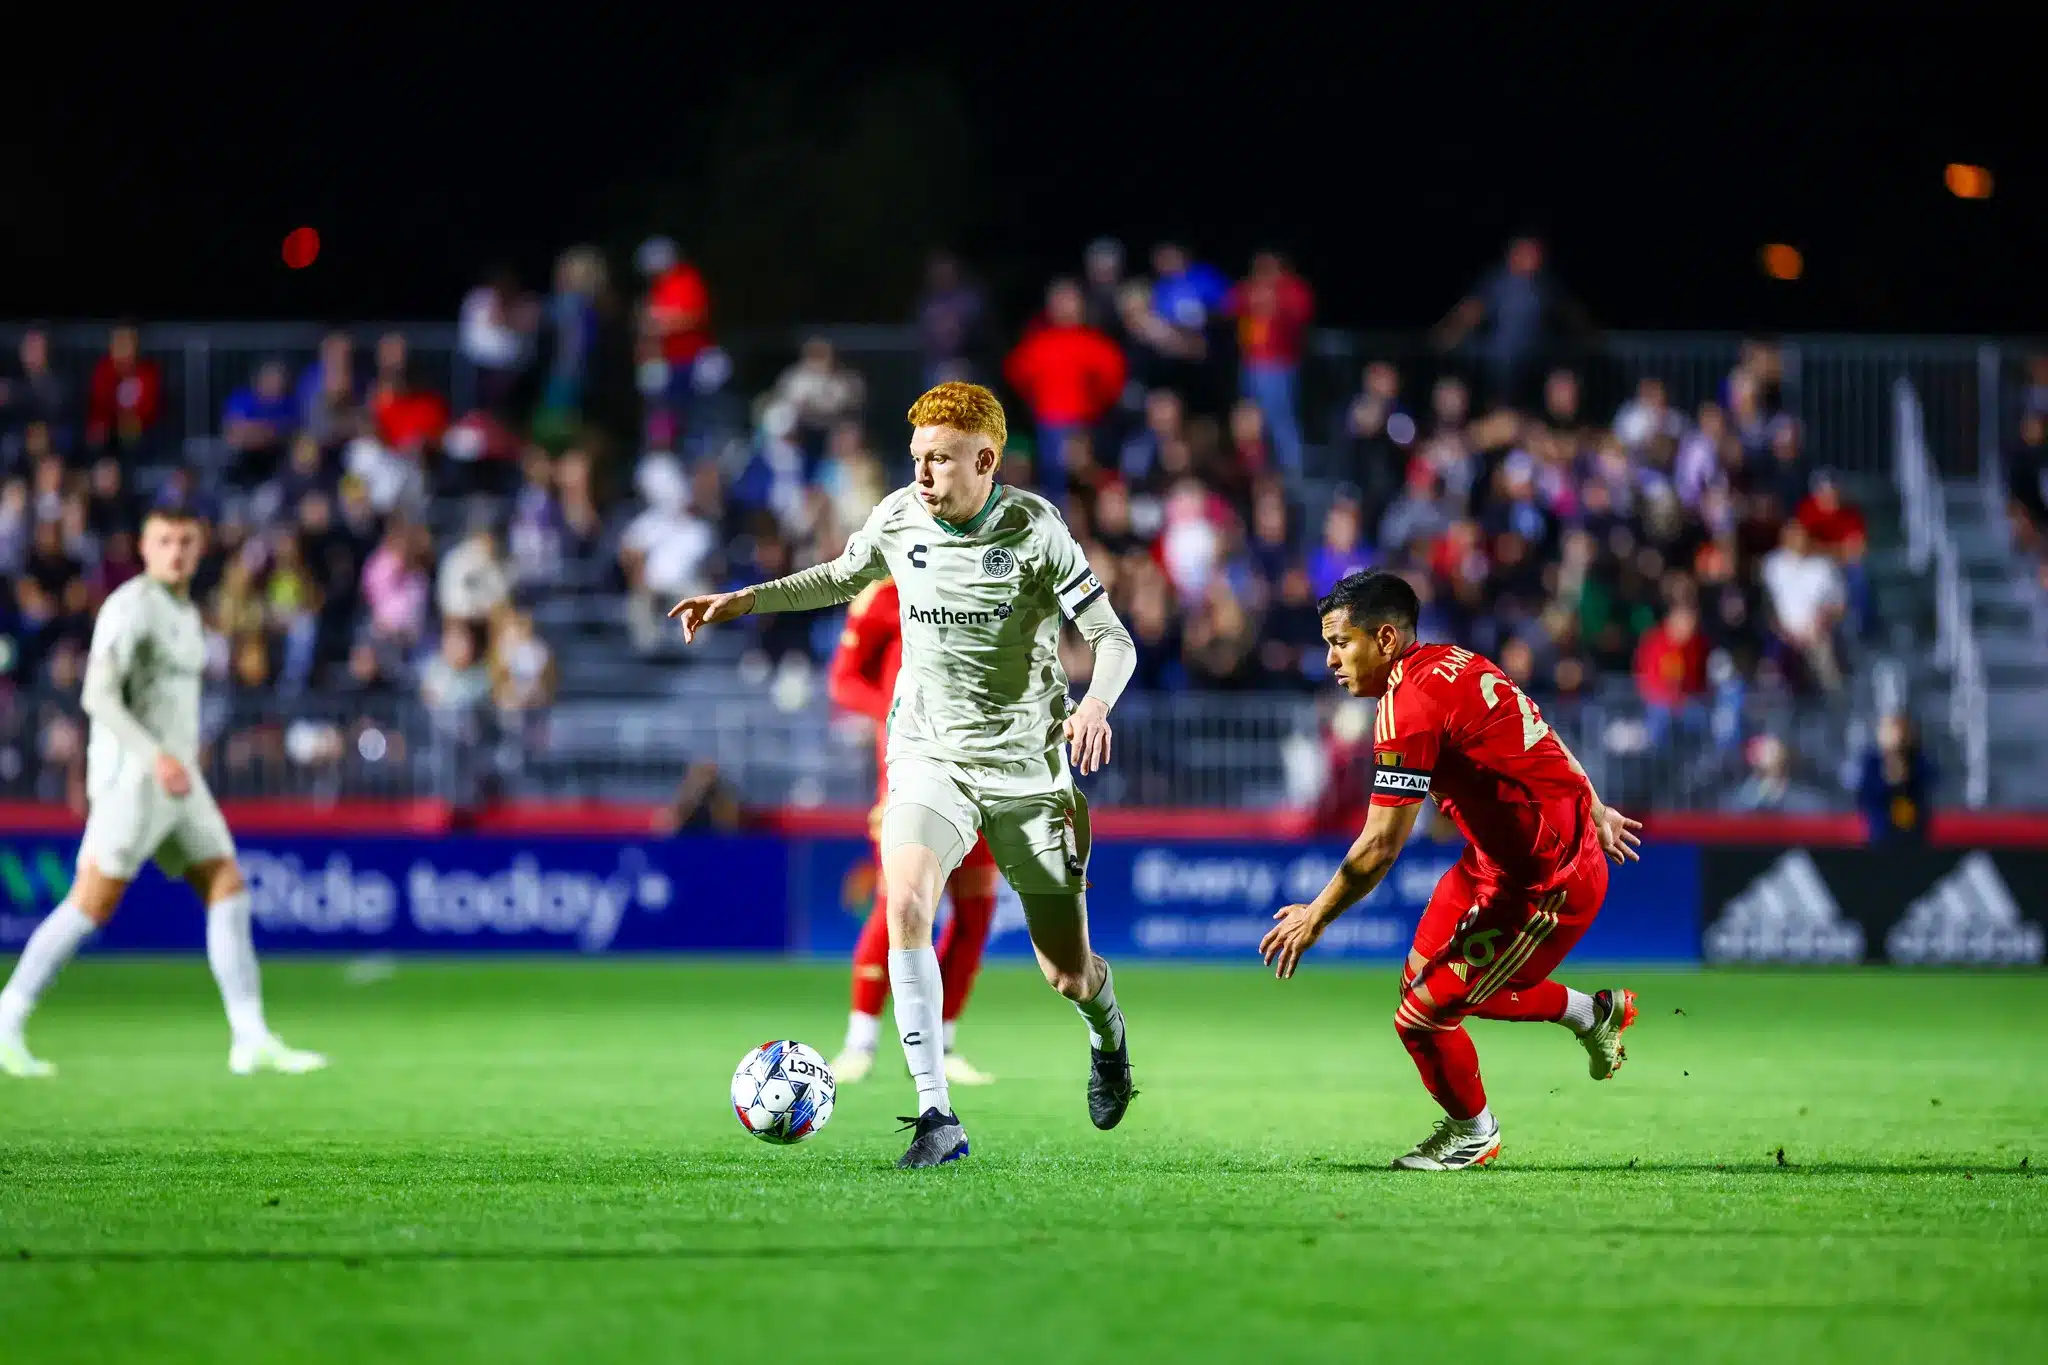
(1087, 732)
(1299, 928)
(695, 613)
(1617, 833)
(171, 775)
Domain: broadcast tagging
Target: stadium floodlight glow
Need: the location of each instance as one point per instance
(1782, 262)
(1966, 181)
(301, 248)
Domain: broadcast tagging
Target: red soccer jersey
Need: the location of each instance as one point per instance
(1452, 725)
(862, 677)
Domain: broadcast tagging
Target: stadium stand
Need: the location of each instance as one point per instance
(443, 552)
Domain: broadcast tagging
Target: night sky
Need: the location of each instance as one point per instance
(155, 169)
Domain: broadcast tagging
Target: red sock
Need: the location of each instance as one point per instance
(1542, 1003)
(871, 960)
(960, 949)
(1450, 1068)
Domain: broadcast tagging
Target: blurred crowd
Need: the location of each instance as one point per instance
(2026, 469)
(376, 541)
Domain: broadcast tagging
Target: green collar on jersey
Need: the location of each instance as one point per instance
(995, 495)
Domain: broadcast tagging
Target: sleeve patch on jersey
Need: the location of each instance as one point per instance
(1085, 588)
(1400, 781)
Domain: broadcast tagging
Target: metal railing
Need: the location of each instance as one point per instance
(1243, 751)
(1925, 512)
(1838, 387)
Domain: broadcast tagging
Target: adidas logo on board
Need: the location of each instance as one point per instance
(1786, 915)
(1969, 916)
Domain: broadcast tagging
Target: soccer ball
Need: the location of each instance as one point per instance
(782, 1092)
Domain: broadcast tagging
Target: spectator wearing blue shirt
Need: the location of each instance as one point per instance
(1896, 785)
(1185, 292)
(1508, 321)
(259, 419)
(329, 398)
(1188, 296)
(1344, 549)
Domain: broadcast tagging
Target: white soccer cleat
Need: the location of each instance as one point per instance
(270, 1054)
(1613, 1011)
(960, 1071)
(16, 1060)
(1451, 1148)
(852, 1065)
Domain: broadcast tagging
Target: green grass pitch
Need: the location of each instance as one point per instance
(535, 1162)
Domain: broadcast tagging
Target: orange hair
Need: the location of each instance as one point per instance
(964, 407)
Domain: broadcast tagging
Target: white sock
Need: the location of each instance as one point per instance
(1105, 1020)
(862, 1031)
(47, 949)
(951, 1032)
(920, 1022)
(232, 954)
(1481, 1122)
(1578, 1011)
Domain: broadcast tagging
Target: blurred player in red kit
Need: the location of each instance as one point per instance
(1532, 878)
(863, 679)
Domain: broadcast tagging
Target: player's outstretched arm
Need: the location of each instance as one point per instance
(695, 613)
(1116, 659)
(821, 585)
(1619, 836)
(1386, 831)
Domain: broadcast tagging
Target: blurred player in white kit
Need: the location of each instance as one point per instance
(147, 803)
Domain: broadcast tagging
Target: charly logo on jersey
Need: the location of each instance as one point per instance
(1786, 915)
(997, 562)
(1968, 917)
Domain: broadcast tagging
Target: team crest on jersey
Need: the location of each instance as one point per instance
(997, 562)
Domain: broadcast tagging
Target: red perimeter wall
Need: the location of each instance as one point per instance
(1973, 829)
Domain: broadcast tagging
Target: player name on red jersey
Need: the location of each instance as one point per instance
(1453, 725)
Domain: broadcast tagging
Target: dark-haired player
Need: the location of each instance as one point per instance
(148, 803)
(1531, 880)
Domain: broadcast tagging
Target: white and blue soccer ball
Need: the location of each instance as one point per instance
(783, 1092)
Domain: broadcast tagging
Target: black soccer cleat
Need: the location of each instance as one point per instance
(1110, 1091)
(940, 1139)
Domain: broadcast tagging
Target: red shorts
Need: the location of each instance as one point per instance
(1472, 944)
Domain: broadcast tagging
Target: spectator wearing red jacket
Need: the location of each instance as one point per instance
(1671, 672)
(1837, 529)
(1069, 375)
(126, 397)
(675, 337)
(1272, 307)
(409, 419)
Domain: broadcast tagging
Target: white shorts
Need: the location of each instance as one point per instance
(1034, 818)
(135, 821)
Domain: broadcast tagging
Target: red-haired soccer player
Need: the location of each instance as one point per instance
(984, 738)
(863, 679)
(1532, 878)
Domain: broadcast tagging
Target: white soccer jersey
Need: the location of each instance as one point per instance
(981, 680)
(152, 644)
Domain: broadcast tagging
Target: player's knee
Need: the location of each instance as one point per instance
(95, 894)
(1421, 1012)
(215, 881)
